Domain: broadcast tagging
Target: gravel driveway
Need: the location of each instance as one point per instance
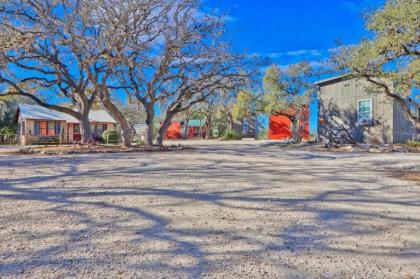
(217, 211)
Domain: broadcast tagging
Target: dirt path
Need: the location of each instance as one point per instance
(218, 211)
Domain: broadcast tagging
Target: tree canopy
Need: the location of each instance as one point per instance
(244, 106)
(390, 59)
(287, 92)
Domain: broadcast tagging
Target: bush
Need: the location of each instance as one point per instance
(231, 135)
(413, 143)
(98, 138)
(140, 142)
(110, 136)
(263, 134)
(48, 141)
(8, 130)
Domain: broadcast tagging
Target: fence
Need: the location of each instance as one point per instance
(8, 139)
(63, 138)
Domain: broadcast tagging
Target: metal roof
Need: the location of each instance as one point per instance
(196, 123)
(41, 113)
(101, 116)
(332, 79)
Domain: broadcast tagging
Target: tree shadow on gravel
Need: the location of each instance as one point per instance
(196, 245)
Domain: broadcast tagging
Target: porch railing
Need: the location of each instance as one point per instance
(64, 138)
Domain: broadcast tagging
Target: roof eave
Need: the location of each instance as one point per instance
(333, 79)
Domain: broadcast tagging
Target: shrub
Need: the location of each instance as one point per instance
(98, 138)
(231, 135)
(110, 136)
(48, 141)
(8, 130)
(263, 134)
(413, 143)
(140, 142)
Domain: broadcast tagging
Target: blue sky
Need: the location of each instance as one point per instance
(289, 31)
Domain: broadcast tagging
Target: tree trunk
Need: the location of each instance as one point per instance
(186, 127)
(209, 126)
(295, 131)
(126, 129)
(85, 131)
(295, 127)
(150, 115)
(165, 125)
(230, 117)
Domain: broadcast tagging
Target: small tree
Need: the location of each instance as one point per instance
(287, 92)
(8, 108)
(244, 106)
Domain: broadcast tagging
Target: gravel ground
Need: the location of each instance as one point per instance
(225, 210)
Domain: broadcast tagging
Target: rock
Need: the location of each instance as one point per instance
(348, 148)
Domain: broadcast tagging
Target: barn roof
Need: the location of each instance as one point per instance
(40, 113)
(196, 123)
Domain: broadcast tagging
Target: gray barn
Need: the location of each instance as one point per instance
(349, 110)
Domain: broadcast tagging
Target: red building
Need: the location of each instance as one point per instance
(196, 129)
(174, 131)
(280, 127)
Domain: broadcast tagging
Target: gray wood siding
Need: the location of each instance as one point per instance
(338, 105)
(403, 129)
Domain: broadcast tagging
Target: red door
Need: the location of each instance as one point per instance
(77, 136)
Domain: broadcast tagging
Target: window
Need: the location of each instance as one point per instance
(47, 128)
(51, 128)
(43, 128)
(98, 128)
(364, 112)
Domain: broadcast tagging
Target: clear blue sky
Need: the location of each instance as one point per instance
(289, 31)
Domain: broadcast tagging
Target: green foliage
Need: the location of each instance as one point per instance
(263, 134)
(413, 143)
(8, 107)
(110, 136)
(244, 106)
(8, 130)
(231, 135)
(140, 142)
(287, 88)
(288, 91)
(220, 124)
(49, 141)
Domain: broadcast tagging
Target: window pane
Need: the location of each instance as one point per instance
(43, 128)
(51, 128)
(365, 110)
